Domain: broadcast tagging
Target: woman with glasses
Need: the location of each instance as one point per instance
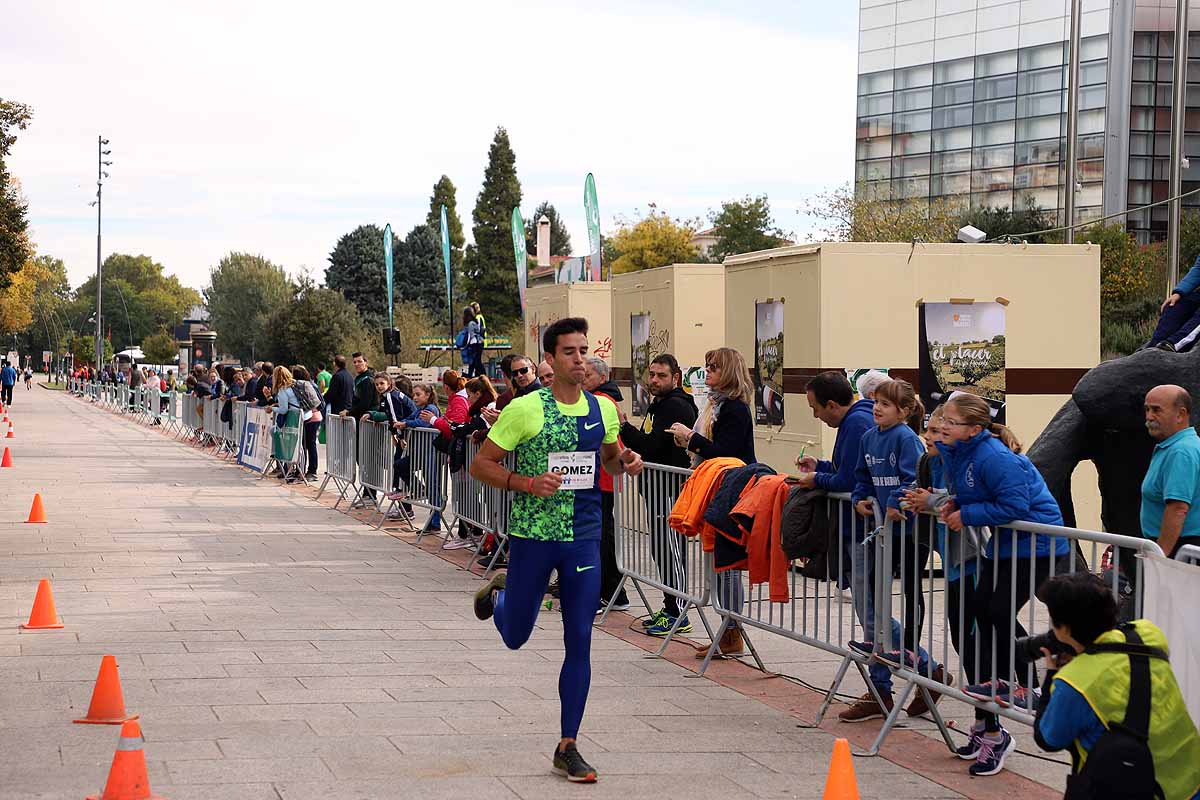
(724, 430)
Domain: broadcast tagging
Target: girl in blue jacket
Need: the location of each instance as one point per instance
(887, 464)
(993, 485)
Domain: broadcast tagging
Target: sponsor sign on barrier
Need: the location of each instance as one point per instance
(256, 440)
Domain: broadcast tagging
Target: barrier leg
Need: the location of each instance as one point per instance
(609, 601)
(890, 722)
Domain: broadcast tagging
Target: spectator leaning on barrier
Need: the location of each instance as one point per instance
(394, 407)
(670, 405)
(425, 397)
(341, 388)
(521, 375)
(264, 390)
(252, 374)
(724, 430)
(364, 399)
(1171, 488)
(597, 381)
(1113, 674)
(1179, 317)
(323, 378)
(458, 411)
(991, 485)
(310, 401)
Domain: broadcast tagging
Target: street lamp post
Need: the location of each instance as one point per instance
(100, 176)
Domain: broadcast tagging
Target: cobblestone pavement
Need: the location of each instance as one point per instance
(275, 648)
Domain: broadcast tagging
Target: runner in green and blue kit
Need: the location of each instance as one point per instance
(562, 437)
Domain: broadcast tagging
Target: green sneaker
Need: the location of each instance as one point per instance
(569, 763)
(484, 605)
(654, 618)
(666, 623)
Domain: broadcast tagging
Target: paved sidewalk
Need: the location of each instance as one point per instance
(278, 649)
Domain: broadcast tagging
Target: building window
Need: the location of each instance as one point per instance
(1042, 80)
(956, 161)
(912, 121)
(991, 88)
(953, 93)
(996, 63)
(1048, 151)
(910, 166)
(875, 82)
(951, 71)
(952, 139)
(952, 117)
(1047, 55)
(874, 104)
(913, 99)
(991, 157)
(914, 76)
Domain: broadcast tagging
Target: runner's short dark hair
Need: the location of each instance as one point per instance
(562, 327)
(831, 385)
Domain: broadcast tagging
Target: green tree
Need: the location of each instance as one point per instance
(313, 325)
(655, 240)
(744, 226)
(560, 239)
(1025, 221)
(137, 300)
(444, 194)
(160, 347)
(243, 291)
(420, 272)
(489, 273)
(15, 247)
(84, 349)
(358, 270)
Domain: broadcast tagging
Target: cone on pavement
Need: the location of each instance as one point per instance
(841, 784)
(127, 779)
(37, 513)
(108, 702)
(44, 615)
(6, 461)
(10, 432)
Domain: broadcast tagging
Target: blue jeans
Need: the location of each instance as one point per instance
(862, 590)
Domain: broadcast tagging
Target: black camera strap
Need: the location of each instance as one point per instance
(1137, 710)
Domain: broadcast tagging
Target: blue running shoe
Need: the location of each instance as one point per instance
(992, 754)
(970, 750)
(653, 619)
(664, 625)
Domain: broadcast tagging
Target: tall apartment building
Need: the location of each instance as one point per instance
(966, 99)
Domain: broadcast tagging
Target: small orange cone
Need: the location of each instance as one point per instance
(108, 702)
(43, 615)
(36, 512)
(841, 784)
(6, 461)
(127, 779)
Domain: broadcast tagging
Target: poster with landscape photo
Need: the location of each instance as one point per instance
(639, 337)
(962, 350)
(768, 363)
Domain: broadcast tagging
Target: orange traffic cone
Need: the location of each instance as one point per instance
(36, 512)
(108, 703)
(127, 779)
(10, 432)
(6, 461)
(841, 785)
(43, 615)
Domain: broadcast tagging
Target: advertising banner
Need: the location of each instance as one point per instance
(768, 363)
(519, 253)
(592, 209)
(255, 440)
(286, 440)
(387, 260)
(449, 277)
(693, 384)
(639, 336)
(962, 350)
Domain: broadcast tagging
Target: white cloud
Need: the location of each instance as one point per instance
(276, 127)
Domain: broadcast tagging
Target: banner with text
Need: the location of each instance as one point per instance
(256, 441)
(962, 350)
(768, 363)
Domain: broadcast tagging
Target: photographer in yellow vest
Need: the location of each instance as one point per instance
(1110, 698)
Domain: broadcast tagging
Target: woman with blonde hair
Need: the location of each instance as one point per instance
(724, 430)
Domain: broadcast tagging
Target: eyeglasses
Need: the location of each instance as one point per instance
(712, 367)
(521, 371)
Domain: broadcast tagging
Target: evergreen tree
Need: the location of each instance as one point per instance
(420, 272)
(489, 272)
(244, 291)
(560, 240)
(357, 269)
(744, 226)
(444, 194)
(15, 248)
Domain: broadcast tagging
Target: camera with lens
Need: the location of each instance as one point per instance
(1030, 647)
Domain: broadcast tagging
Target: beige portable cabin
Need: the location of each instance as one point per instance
(677, 309)
(546, 304)
(859, 305)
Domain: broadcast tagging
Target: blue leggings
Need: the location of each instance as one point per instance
(530, 562)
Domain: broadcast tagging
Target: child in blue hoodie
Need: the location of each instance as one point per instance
(887, 464)
(425, 400)
(992, 485)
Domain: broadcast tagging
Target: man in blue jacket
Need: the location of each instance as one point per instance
(1179, 318)
(8, 379)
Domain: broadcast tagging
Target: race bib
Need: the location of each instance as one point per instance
(578, 470)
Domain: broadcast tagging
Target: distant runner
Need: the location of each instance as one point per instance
(562, 437)
(28, 378)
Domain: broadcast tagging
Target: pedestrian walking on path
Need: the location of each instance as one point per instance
(562, 437)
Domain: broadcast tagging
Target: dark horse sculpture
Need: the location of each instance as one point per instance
(1104, 423)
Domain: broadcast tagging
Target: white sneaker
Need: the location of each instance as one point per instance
(458, 544)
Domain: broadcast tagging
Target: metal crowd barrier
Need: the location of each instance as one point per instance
(341, 435)
(230, 441)
(650, 554)
(425, 473)
(238, 428)
(376, 452)
(286, 450)
(1189, 554)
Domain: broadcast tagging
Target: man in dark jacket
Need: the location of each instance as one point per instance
(365, 400)
(262, 392)
(670, 405)
(341, 388)
(521, 376)
(250, 390)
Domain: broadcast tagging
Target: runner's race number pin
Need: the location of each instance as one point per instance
(578, 470)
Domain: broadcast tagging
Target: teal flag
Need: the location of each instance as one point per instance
(449, 277)
(522, 257)
(592, 208)
(387, 259)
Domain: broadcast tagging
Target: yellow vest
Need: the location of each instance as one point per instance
(1103, 680)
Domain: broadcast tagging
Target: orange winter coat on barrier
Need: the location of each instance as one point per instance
(687, 515)
(761, 508)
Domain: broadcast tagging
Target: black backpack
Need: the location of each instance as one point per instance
(1120, 766)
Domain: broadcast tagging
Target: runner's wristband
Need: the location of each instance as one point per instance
(508, 483)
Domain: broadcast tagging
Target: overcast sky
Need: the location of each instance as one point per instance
(274, 127)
